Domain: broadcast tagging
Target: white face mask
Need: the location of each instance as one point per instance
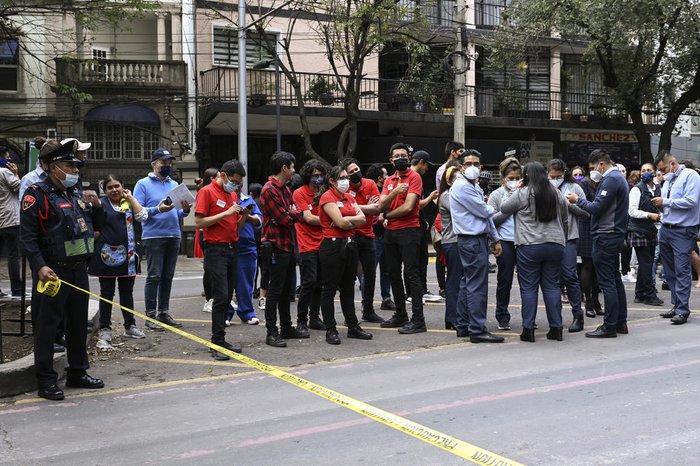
(511, 185)
(596, 176)
(557, 183)
(472, 172)
(343, 185)
(668, 176)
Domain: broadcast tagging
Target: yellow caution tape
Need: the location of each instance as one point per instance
(49, 287)
(438, 439)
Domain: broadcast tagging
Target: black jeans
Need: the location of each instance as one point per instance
(366, 254)
(423, 259)
(126, 299)
(439, 266)
(504, 279)
(310, 294)
(282, 269)
(400, 248)
(644, 288)
(625, 259)
(220, 264)
(9, 243)
(338, 267)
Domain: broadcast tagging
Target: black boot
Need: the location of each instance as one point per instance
(355, 331)
(332, 337)
(528, 335)
(576, 325)
(315, 323)
(555, 333)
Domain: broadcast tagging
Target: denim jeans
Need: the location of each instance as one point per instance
(9, 241)
(606, 258)
(161, 259)
(539, 266)
(676, 246)
(569, 277)
(455, 273)
(474, 254)
(380, 259)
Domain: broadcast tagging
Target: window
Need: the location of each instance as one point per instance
(99, 53)
(117, 142)
(9, 64)
(257, 47)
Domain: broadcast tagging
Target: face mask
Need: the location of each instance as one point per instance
(511, 185)
(231, 187)
(472, 172)
(596, 176)
(343, 185)
(578, 177)
(356, 177)
(317, 180)
(165, 171)
(557, 183)
(647, 177)
(70, 181)
(401, 164)
(668, 176)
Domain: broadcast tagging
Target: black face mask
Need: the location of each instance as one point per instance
(401, 164)
(356, 177)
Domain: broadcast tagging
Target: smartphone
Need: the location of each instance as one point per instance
(249, 207)
(168, 201)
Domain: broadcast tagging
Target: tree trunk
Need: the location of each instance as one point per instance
(642, 136)
(677, 108)
(303, 120)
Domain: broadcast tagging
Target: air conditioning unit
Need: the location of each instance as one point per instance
(51, 133)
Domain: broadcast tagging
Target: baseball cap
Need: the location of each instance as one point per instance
(162, 154)
(422, 155)
(81, 145)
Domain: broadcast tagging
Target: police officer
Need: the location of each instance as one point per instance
(57, 236)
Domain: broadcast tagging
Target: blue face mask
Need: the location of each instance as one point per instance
(70, 180)
(231, 187)
(647, 177)
(317, 180)
(579, 177)
(165, 171)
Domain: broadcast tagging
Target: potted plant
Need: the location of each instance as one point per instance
(259, 93)
(321, 89)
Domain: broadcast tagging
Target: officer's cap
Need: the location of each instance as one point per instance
(64, 152)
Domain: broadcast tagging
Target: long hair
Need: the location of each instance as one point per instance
(333, 174)
(545, 195)
(560, 166)
(446, 175)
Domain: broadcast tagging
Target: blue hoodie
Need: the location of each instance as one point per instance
(150, 191)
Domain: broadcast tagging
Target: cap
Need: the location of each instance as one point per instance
(162, 154)
(64, 152)
(422, 155)
(81, 145)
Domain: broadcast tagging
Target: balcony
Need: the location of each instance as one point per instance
(107, 76)
(221, 85)
(489, 14)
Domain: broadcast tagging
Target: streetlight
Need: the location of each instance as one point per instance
(261, 65)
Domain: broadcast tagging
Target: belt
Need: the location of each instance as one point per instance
(82, 265)
(473, 236)
(343, 238)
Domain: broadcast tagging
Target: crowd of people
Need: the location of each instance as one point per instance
(569, 235)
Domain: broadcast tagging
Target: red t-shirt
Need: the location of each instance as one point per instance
(347, 206)
(367, 189)
(415, 186)
(211, 200)
(308, 236)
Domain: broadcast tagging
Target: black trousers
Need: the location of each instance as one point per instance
(310, 294)
(366, 254)
(48, 313)
(282, 269)
(423, 259)
(126, 299)
(400, 248)
(644, 288)
(439, 266)
(338, 267)
(625, 259)
(220, 265)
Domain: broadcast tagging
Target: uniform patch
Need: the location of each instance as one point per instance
(28, 201)
(221, 203)
(81, 204)
(65, 205)
(603, 193)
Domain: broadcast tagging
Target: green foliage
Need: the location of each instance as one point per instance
(320, 88)
(426, 78)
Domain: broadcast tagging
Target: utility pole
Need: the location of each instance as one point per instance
(461, 66)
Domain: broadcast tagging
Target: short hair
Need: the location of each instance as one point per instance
(254, 189)
(453, 146)
(308, 168)
(400, 145)
(472, 152)
(375, 171)
(49, 146)
(345, 162)
(233, 167)
(209, 173)
(664, 156)
(280, 159)
(599, 155)
(509, 165)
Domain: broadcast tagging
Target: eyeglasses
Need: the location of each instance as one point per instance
(471, 164)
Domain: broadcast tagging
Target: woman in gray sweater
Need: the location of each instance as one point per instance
(450, 250)
(540, 238)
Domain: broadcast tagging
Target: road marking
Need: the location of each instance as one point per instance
(433, 437)
(188, 361)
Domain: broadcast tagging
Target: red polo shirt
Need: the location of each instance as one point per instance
(308, 236)
(367, 189)
(415, 186)
(347, 206)
(212, 200)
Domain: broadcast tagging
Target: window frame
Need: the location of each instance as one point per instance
(109, 139)
(16, 66)
(234, 31)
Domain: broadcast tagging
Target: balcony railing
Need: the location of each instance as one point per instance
(101, 73)
(221, 84)
(489, 13)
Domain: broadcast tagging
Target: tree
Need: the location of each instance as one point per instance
(648, 51)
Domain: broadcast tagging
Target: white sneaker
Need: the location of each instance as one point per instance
(432, 298)
(228, 323)
(105, 334)
(261, 303)
(234, 304)
(253, 321)
(629, 278)
(207, 306)
(134, 332)
(104, 345)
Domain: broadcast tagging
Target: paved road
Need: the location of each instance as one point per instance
(630, 400)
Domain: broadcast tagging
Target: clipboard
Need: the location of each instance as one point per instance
(179, 194)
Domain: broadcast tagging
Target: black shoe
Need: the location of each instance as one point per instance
(576, 325)
(590, 312)
(316, 323)
(276, 341)
(371, 316)
(639, 300)
(528, 335)
(83, 381)
(51, 392)
(655, 301)
(668, 314)
(219, 356)
(485, 337)
(291, 333)
(449, 326)
(224, 344)
(602, 332)
(598, 309)
(303, 330)
(168, 320)
(356, 331)
(463, 334)
(413, 327)
(664, 286)
(679, 319)
(396, 321)
(555, 333)
(332, 337)
(388, 305)
(58, 348)
(503, 324)
(622, 328)
(153, 326)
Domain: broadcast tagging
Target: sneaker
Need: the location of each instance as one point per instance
(3, 294)
(629, 278)
(564, 298)
(503, 324)
(207, 306)
(153, 326)
(234, 304)
(105, 334)
(388, 305)
(261, 303)
(132, 331)
(251, 321)
(432, 298)
(104, 345)
(227, 323)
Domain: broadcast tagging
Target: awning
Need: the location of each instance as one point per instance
(123, 113)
